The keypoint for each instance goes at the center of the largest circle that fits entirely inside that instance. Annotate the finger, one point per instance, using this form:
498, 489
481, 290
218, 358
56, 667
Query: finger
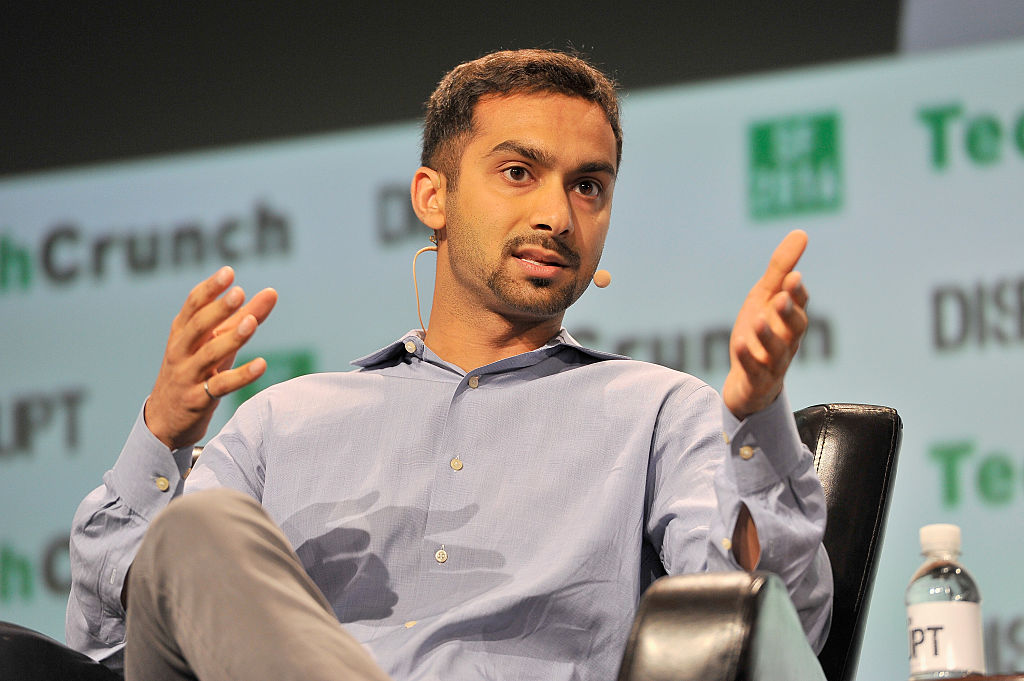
259, 307
785, 327
756, 376
227, 382
763, 378
750, 345
794, 285
204, 292
219, 353
198, 328
778, 349
785, 316
783, 260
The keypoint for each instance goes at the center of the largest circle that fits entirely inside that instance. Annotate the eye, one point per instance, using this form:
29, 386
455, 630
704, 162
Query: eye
588, 188
516, 174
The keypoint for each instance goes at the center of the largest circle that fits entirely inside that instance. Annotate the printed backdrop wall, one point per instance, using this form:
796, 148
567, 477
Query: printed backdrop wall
905, 172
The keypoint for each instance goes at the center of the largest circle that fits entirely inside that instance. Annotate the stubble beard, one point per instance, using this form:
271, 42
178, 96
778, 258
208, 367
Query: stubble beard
534, 297
517, 295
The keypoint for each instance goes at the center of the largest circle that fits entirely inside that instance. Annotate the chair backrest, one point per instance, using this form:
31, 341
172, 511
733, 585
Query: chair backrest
855, 447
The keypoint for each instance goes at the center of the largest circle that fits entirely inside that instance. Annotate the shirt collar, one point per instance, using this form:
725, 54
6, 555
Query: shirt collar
401, 347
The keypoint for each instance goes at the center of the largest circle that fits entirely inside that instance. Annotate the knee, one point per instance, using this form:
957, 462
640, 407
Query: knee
192, 533
203, 517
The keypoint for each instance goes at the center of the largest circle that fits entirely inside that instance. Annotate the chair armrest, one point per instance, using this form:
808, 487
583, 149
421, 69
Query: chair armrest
27, 655
721, 626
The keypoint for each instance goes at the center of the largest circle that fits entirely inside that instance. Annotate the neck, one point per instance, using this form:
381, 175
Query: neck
475, 339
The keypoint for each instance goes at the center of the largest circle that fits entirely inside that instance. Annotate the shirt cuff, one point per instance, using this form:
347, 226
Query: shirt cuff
765, 447
147, 474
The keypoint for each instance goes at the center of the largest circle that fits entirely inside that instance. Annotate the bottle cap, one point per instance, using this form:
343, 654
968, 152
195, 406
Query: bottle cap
941, 537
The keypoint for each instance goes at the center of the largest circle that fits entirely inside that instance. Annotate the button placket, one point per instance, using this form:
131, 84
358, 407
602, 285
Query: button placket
450, 483
457, 464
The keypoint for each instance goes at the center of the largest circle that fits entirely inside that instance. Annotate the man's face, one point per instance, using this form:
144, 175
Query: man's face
526, 225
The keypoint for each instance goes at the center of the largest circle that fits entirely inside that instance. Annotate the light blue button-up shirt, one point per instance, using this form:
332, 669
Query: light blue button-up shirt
515, 513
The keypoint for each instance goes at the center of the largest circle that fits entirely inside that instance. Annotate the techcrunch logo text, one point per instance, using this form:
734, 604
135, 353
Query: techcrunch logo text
705, 351
66, 254
980, 138
991, 477
20, 574
795, 166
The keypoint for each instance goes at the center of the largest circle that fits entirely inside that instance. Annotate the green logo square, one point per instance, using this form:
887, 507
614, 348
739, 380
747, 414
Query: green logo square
795, 166
281, 366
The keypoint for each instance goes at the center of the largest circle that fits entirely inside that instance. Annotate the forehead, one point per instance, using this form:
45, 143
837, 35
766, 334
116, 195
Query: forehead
563, 125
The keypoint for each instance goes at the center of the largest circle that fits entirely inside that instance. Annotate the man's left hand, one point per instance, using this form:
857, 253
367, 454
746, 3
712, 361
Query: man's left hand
767, 332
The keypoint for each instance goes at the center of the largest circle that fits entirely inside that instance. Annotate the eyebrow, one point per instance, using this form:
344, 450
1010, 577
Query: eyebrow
545, 158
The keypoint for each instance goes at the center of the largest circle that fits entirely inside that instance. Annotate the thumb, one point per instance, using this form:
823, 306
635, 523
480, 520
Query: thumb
783, 260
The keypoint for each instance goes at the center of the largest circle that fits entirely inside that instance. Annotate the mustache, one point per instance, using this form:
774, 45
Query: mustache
571, 257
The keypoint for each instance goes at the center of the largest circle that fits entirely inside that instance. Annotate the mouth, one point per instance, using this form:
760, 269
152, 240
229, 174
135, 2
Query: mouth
539, 264
542, 260
539, 257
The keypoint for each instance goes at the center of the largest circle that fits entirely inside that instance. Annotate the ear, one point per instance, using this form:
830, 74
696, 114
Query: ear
428, 197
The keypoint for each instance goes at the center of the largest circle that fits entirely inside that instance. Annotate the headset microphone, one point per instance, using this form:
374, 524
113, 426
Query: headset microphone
415, 281
602, 278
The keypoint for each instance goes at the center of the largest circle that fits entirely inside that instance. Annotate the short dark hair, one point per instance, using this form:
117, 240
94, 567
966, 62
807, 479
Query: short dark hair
449, 111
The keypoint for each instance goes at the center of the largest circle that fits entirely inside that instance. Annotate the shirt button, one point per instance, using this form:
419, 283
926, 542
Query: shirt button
474, 381
162, 484
727, 544
725, 436
746, 451
441, 556
456, 464
410, 347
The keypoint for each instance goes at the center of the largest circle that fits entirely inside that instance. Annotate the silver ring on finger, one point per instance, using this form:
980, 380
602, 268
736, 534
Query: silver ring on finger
206, 387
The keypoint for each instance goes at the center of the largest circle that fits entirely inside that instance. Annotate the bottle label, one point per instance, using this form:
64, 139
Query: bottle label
945, 636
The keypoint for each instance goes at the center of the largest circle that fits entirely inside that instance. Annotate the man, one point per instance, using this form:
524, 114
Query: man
485, 499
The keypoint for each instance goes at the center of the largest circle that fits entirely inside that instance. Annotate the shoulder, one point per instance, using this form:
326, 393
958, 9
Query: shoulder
310, 392
640, 390
649, 376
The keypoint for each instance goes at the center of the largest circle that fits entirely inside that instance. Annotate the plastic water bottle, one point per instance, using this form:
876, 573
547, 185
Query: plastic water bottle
943, 611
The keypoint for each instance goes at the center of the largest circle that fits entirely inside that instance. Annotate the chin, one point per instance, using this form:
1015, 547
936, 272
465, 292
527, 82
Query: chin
536, 298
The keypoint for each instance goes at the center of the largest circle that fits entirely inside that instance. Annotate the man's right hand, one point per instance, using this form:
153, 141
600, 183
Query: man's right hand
205, 336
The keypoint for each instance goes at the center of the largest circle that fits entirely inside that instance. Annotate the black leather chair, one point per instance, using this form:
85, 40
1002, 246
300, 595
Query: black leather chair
714, 627
723, 627
26, 655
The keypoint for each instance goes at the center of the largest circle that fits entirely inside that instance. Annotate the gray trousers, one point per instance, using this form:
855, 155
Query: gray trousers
216, 592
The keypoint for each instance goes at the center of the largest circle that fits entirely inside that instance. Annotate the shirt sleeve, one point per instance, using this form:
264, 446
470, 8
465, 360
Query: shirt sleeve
705, 465
111, 521
105, 535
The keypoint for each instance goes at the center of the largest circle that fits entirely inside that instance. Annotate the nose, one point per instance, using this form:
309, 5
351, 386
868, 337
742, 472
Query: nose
553, 212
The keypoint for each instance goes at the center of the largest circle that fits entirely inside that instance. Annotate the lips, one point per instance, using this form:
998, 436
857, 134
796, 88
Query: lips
539, 256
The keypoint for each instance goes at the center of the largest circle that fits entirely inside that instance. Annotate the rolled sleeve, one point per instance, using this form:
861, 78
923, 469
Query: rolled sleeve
771, 472
144, 476
105, 535
759, 463
765, 447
